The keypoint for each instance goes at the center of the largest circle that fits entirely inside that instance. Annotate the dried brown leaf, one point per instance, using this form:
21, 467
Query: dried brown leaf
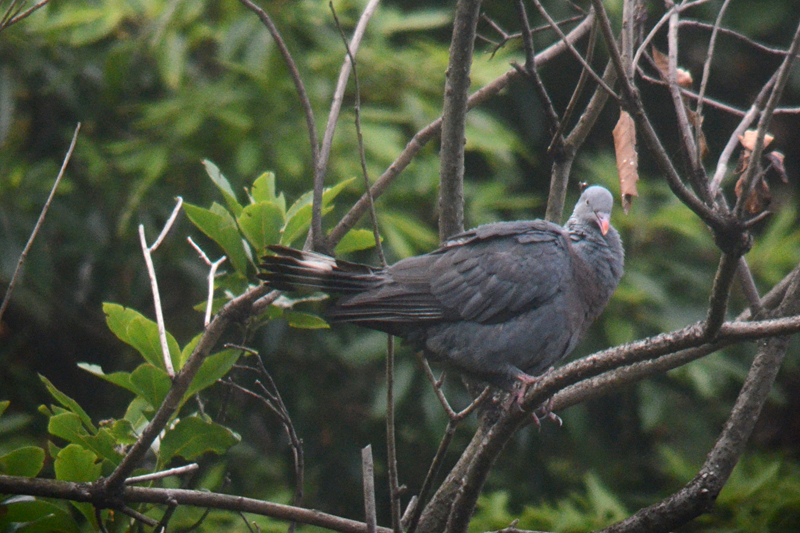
627, 158
662, 63
748, 140
684, 78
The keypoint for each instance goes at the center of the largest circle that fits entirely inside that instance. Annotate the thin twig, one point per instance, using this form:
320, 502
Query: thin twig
733, 140
212, 273
707, 64
6, 22
151, 272
305, 102
39, 222
530, 70
162, 474
575, 53
317, 236
748, 177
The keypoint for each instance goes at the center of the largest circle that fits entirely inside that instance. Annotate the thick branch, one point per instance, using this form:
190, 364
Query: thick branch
454, 119
87, 492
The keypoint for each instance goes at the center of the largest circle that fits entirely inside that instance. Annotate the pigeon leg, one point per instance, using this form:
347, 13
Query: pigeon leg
544, 411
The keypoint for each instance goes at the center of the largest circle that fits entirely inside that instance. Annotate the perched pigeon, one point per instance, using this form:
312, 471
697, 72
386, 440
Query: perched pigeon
502, 302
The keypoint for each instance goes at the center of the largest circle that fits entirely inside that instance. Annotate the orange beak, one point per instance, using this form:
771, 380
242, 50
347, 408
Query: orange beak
603, 222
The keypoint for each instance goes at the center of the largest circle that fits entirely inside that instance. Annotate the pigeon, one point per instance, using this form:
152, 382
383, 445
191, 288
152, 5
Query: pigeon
502, 303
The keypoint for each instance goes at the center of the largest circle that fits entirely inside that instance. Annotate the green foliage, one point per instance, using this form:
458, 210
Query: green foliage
594, 507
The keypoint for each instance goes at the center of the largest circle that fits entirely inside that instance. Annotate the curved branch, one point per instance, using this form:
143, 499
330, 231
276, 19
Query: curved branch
86, 492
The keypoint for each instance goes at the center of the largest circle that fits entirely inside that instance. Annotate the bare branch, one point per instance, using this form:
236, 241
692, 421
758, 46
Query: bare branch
191, 467
600, 81
368, 476
321, 164
10, 17
85, 492
39, 222
454, 119
147, 251
305, 102
748, 177
211, 275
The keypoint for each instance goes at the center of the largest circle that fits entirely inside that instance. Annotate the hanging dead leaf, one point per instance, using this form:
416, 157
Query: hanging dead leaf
627, 158
759, 198
776, 163
662, 63
748, 140
684, 78
697, 124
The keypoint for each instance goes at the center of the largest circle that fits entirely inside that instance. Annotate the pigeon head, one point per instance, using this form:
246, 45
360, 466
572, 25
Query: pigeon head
594, 207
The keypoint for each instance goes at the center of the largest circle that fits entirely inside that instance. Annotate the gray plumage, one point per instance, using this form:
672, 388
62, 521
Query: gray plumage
502, 302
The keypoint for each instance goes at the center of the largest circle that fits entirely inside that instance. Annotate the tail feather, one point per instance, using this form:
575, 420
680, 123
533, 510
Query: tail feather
291, 269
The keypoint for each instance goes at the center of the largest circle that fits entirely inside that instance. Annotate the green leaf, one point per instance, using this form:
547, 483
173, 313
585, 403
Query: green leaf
213, 368
68, 427
121, 379
69, 403
298, 217
3, 406
300, 320
26, 461
261, 224
76, 463
356, 239
121, 431
151, 383
134, 329
29, 515
171, 58
264, 190
220, 226
192, 437
222, 183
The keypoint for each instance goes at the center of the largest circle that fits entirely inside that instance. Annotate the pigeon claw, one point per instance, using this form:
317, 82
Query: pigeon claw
544, 411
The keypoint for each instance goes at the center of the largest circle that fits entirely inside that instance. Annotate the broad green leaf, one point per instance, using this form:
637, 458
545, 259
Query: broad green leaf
68, 427
26, 461
76, 463
222, 183
192, 437
69, 403
151, 383
121, 431
171, 58
298, 224
213, 368
29, 515
261, 224
300, 320
298, 217
223, 230
134, 329
121, 379
264, 190
356, 239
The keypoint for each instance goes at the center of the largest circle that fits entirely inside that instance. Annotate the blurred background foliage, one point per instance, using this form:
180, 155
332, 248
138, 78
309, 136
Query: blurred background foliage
160, 85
